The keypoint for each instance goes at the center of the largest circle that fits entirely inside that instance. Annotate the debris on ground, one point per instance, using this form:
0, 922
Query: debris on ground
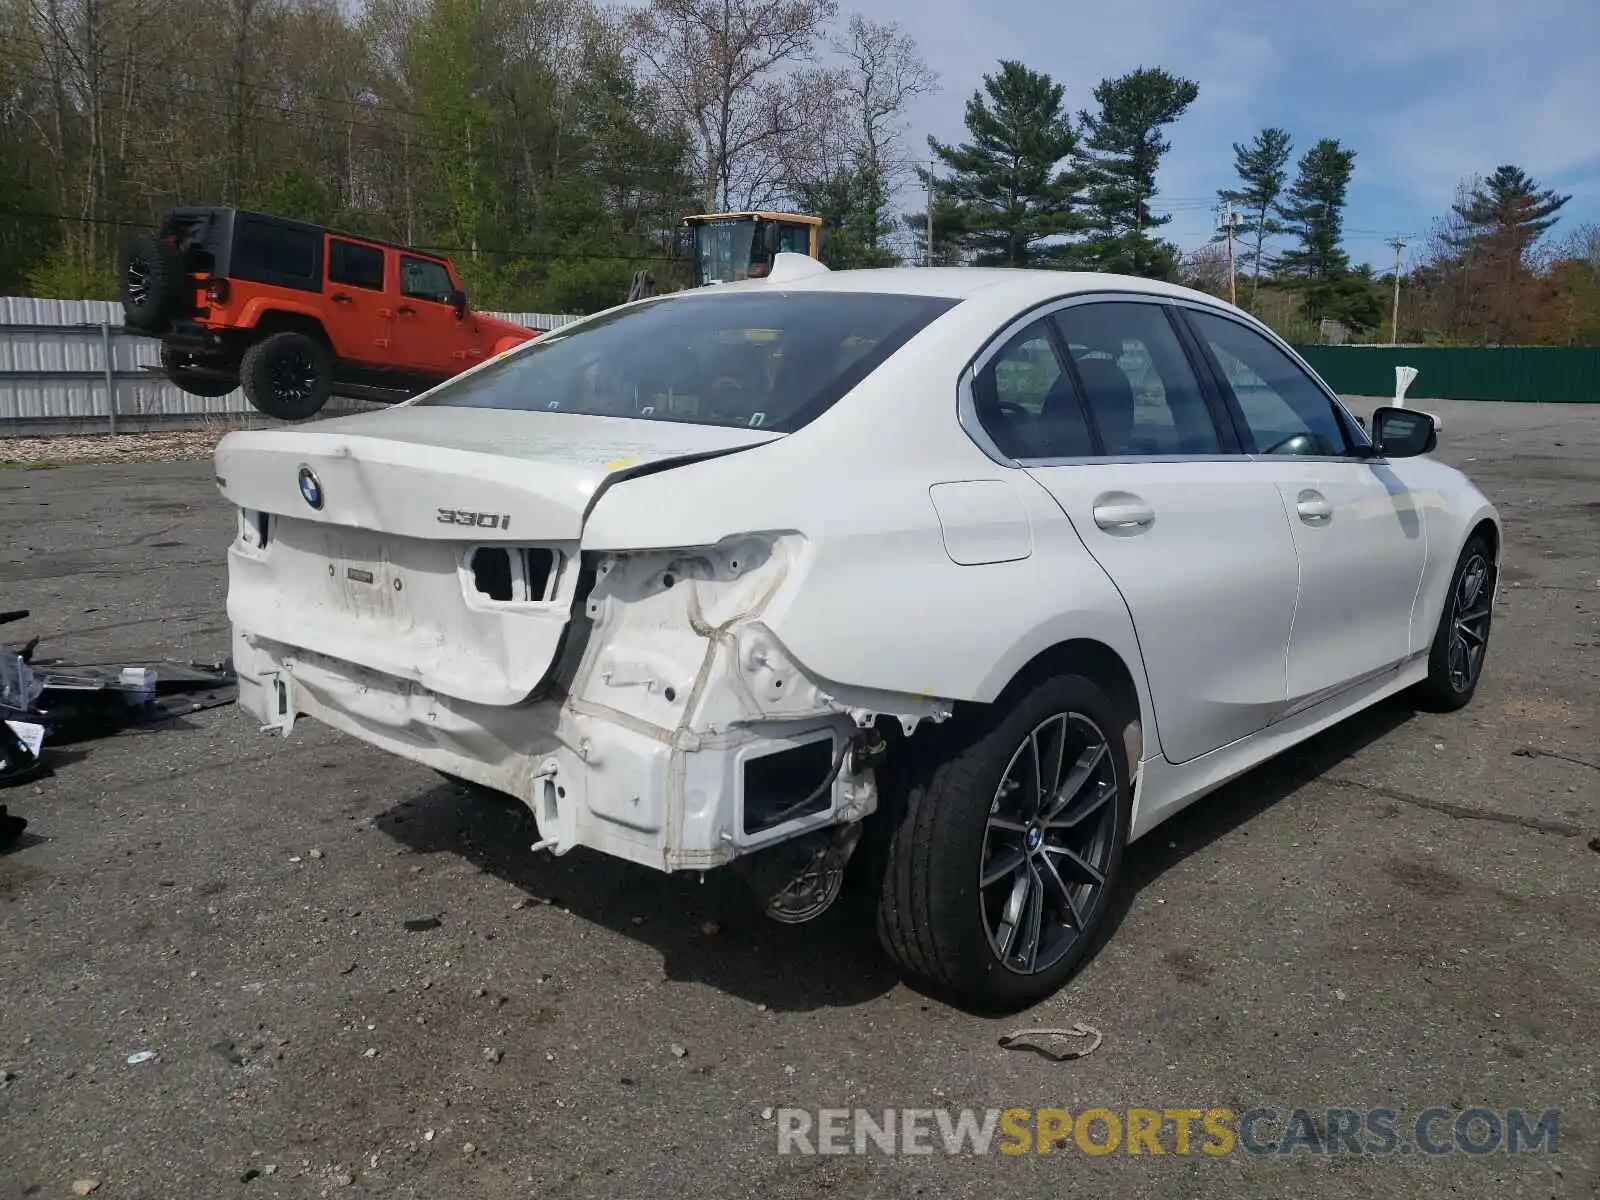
418, 924
82, 1187
140, 1056
177, 445
1018, 1041
50, 701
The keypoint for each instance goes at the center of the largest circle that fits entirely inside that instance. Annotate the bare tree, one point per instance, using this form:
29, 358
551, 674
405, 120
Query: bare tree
1205, 268
883, 73
723, 64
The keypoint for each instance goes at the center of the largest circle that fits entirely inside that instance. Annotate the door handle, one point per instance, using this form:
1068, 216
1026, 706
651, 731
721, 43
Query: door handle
406, 310
1124, 516
1313, 507
341, 297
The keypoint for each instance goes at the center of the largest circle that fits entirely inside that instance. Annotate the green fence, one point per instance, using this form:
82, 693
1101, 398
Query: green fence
1552, 375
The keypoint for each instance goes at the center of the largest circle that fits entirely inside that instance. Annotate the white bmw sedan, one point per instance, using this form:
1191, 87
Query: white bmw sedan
1001, 567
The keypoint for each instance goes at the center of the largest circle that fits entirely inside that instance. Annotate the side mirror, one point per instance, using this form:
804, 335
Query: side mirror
1403, 432
458, 301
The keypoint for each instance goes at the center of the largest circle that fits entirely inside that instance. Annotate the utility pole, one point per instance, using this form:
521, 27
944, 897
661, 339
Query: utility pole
1229, 222
1399, 244
927, 258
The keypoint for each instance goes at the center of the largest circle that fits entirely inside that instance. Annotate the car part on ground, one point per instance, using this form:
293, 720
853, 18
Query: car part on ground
714, 580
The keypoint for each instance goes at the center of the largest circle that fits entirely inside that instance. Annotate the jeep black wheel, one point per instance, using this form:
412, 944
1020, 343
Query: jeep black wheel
196, 381
151, 279
288, 376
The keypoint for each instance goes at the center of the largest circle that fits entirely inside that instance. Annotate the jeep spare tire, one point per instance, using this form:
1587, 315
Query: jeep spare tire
287, 375
151, 281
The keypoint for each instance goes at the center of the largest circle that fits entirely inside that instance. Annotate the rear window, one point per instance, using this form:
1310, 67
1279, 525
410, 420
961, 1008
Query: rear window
272, 253
769, 360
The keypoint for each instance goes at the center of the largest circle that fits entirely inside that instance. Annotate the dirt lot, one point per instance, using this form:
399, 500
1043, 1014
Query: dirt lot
1402, 914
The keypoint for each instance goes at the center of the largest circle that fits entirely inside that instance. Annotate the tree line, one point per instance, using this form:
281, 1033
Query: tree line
552, 146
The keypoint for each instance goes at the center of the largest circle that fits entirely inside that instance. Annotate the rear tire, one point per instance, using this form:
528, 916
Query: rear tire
995, 886
1461, 641
195, 382
288, 376
151, 283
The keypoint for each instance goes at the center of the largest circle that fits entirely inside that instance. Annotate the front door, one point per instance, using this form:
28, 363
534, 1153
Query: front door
361, 319
1357, 528
1101, 406
430, 337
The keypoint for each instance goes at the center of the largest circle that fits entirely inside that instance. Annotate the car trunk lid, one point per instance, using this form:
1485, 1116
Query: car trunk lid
438, 545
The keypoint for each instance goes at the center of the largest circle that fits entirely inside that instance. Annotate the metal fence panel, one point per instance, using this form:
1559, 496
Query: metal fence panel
1543, 374
53, 365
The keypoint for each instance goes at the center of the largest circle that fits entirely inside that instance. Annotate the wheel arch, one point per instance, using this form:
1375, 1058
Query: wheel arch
267, 321
1101, 665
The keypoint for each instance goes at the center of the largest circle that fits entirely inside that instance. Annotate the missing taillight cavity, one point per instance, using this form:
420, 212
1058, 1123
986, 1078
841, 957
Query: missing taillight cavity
491, 573
539, 568
774, 783
255, 528
509, 575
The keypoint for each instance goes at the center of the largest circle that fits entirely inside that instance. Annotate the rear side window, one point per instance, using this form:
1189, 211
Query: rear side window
355, 265
1026, 401
269, 252
770, 360
1141, 392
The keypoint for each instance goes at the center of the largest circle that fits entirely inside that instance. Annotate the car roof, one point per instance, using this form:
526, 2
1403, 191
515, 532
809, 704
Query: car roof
1020, 284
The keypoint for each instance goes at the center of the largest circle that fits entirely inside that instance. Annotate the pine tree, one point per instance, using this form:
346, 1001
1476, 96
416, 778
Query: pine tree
1262, 167
1508, 212
851, 205
1125, 148
1314, 213
1003, 192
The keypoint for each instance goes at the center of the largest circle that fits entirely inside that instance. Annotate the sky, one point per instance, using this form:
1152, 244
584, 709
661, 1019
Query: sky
1427, 92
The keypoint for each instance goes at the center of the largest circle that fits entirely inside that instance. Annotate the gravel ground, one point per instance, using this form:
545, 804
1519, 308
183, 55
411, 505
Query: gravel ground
1401, 913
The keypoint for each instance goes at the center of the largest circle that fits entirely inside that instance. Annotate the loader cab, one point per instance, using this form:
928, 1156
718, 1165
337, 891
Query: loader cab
732, 246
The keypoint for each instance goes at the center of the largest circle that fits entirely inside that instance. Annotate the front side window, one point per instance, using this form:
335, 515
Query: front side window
770, 361
355, 265
1137, 383
1025, 399
424, 279
1285, 412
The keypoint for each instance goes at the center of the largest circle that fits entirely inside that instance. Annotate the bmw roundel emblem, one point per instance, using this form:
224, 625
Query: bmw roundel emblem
311, 487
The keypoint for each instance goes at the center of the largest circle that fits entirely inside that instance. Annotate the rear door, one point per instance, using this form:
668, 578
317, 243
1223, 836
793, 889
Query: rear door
429, 337
1357, 528
361, 309
1106, 411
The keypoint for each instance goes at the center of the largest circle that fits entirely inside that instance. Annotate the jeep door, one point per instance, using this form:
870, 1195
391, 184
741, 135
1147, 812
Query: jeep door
429, 336
360, 316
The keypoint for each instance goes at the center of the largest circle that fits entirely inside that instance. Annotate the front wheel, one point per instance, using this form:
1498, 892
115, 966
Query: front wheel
1461, 641
1001, 865
287, 375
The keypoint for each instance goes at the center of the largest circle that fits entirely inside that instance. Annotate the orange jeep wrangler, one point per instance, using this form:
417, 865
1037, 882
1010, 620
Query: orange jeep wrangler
294, 313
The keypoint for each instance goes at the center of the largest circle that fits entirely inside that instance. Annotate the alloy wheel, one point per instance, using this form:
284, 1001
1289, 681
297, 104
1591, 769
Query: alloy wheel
138, 282
1469, 622
1048, 843
294, 376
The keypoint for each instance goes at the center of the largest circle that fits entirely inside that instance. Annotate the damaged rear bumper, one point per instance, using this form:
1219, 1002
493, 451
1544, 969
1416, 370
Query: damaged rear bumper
671, 800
